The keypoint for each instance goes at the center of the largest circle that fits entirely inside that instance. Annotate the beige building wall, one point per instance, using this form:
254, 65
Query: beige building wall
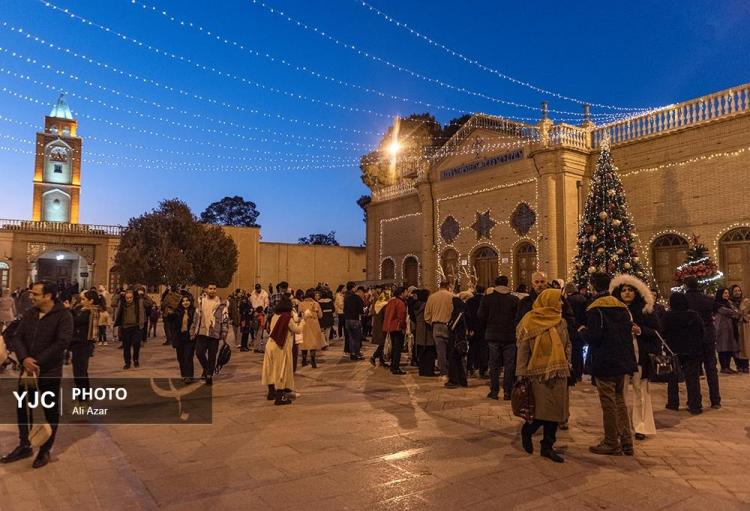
303, 266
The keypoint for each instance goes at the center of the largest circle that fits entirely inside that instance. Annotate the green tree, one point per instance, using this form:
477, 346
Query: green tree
607, 237
234, 211
320, 239
169, 246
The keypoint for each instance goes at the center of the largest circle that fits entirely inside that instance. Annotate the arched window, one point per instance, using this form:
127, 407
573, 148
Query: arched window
524, 264
667, 253
484, 261
449, 264
734, 257
387, 269
4, 275
410, 271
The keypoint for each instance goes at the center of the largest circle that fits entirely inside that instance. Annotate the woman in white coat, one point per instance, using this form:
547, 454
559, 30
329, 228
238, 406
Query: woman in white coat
278, 373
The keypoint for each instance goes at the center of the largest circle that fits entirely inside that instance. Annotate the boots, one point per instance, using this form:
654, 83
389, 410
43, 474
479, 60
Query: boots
304, 358
281, 398
313, 363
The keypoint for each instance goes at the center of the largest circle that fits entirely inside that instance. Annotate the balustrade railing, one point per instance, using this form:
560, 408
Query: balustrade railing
388, 192
712, 107
60, 228
569, 135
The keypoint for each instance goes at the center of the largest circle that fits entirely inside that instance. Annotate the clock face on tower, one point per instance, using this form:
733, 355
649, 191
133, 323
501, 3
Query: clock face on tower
57, 173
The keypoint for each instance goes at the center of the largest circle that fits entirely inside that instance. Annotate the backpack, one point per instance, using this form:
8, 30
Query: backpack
9, 334
225, 353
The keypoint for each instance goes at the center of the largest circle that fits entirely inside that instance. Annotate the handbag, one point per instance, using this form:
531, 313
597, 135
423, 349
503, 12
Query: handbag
39, 433
522, 400
387, 346
225, 353
665, 365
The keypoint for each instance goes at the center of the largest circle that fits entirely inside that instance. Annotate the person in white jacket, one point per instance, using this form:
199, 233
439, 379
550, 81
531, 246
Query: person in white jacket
278, 368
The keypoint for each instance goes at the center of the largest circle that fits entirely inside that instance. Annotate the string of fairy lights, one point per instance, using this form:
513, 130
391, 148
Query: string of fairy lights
484, 67
213, 35
371, 56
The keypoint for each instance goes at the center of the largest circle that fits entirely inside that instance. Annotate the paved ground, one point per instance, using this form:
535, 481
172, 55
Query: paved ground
359, 438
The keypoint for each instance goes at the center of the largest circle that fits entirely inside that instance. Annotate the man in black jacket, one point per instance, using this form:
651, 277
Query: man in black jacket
706, 307
538, 284
353, 308
497, 311
609, 334
478, 355
40, 340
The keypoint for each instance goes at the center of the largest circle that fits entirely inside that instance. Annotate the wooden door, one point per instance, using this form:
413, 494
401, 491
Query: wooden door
735, 258
525, 264
411, 271
669, 252
485, 263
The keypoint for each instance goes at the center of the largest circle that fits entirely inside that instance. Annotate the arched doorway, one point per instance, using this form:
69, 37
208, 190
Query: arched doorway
410, 271
525, 264
449, 264
69, 270
734, 257
4, 275
387, 269
667, 253
484, 261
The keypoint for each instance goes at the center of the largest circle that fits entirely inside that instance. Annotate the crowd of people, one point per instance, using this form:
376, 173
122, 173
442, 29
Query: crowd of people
548, 337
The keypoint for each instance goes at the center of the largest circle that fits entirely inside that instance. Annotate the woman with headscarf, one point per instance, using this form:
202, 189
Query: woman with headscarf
742, 305
423, 342
634, 293
378, 336
277, 372
683, 333
85, 334
543, 356
182, 318
312, 336
727, 334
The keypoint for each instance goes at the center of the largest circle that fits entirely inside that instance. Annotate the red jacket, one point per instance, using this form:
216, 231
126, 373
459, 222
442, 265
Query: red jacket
395, 316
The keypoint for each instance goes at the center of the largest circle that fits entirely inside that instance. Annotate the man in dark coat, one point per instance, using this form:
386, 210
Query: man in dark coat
478, 355
609, 334
705, 306
578, 303
538, 284
40, 341
497, 311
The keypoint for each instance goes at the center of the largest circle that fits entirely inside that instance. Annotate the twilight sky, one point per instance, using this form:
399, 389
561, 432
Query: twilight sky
278, 113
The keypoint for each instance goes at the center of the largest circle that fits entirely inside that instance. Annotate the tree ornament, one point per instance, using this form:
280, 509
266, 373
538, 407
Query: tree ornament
600, 250
603, 215
592, 238
615, 257
616, 222
619, 251
635, 259
611, 192
588, 228
592, 269
626, 266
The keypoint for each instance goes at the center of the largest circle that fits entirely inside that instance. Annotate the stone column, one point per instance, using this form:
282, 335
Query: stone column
428, 257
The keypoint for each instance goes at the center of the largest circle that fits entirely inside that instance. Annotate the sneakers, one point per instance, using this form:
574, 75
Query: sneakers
716, 406
126, 366
605, 450
628, 450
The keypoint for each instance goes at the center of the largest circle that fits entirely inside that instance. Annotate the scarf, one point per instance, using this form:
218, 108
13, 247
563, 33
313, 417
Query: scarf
281, 329
547, 358
606, 301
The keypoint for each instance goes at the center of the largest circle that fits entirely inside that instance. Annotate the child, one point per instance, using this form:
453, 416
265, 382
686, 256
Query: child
104, 322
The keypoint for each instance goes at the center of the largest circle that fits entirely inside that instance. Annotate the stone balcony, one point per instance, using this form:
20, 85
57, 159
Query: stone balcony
29, 226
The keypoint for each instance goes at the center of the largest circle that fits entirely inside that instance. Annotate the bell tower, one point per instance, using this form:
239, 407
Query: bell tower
57, 170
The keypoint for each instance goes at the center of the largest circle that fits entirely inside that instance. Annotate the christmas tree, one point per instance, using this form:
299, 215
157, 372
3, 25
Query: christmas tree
698, 264
607, 238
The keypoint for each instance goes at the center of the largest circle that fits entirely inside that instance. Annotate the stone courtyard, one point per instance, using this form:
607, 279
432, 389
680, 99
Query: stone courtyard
359, 438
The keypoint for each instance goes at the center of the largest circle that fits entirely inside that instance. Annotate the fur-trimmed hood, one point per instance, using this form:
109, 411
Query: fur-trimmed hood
636, 284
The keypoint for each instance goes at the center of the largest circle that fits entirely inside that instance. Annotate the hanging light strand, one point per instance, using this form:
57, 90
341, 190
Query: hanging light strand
306, 69
483, 67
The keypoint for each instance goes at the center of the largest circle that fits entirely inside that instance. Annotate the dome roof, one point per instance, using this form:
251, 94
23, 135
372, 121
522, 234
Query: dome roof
61, 110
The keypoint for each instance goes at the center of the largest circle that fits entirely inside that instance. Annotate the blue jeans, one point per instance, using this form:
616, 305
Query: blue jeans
354, 331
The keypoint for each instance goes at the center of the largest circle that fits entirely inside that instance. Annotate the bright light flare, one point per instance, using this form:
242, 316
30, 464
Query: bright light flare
394, 148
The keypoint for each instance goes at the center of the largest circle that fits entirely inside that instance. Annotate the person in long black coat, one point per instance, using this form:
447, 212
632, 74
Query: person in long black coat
458, 346
634, 293
478, 359
183, 317
683, 333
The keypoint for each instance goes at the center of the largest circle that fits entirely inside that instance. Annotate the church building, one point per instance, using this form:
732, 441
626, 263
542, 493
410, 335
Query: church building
505, 197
